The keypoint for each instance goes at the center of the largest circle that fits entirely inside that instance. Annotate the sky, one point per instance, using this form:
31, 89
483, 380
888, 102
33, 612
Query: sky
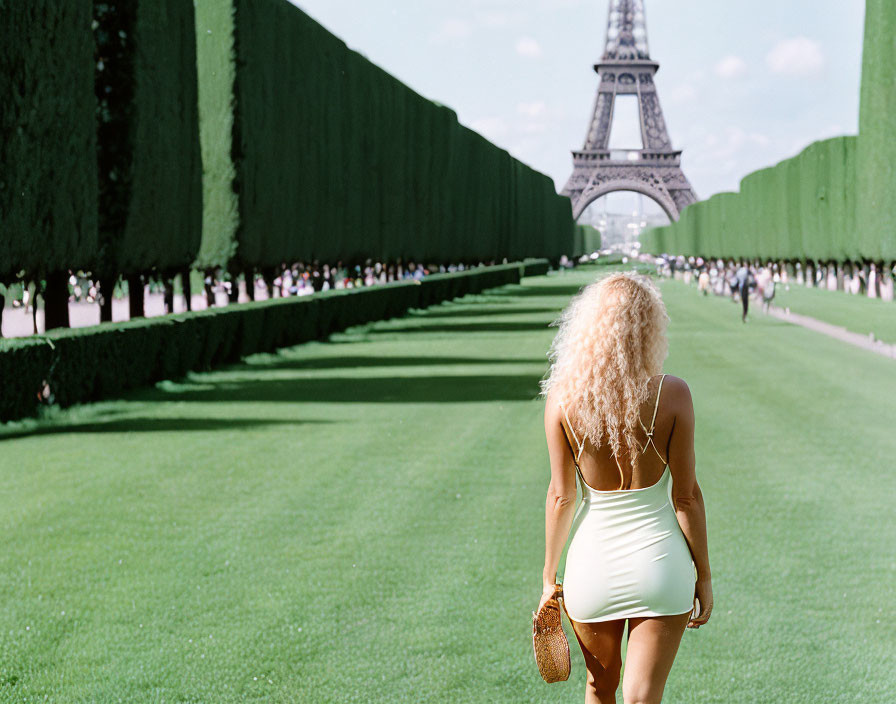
742, 84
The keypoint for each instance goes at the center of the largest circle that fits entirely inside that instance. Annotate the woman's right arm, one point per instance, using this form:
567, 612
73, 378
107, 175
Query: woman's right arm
687, 497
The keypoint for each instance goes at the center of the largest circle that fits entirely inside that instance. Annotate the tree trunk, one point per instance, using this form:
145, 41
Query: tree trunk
168, 288
249, 276
107, 290
863, 278
268, 275
186, 285
839, 277
886, 281
234, 293
135, 296
56, 300
208, 283
874, 280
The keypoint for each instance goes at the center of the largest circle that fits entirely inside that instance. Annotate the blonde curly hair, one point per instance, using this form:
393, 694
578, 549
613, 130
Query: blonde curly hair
611, 341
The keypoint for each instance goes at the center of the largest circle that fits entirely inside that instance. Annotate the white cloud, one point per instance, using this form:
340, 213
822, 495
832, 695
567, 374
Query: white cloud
451, 30
529, 47
534, 109
798, 56
731, 67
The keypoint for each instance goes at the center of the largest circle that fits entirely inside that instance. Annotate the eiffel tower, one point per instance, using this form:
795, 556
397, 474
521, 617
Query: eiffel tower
655, 170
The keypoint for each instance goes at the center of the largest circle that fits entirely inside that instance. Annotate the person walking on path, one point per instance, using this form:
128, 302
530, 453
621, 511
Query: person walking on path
703, 282
732, 285
637, 555
744, 279
766, 284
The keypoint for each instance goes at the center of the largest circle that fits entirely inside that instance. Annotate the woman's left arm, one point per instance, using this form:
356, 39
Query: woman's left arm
561, 496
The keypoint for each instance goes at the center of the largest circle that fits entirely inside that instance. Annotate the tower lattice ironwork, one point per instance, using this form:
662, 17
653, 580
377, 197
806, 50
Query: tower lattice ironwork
655, 170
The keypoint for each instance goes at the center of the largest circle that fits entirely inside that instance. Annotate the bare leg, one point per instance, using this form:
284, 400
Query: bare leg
601, 645
652, 646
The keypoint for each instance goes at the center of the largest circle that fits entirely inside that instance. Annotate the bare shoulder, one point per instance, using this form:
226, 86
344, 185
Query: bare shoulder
677, 394
551, 407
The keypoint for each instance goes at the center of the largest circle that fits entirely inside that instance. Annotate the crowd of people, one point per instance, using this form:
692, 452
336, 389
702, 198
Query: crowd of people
297, 279
301, 279
740, 281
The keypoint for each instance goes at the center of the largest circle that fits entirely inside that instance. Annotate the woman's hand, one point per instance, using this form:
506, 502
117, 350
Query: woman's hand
546, 594
703, 595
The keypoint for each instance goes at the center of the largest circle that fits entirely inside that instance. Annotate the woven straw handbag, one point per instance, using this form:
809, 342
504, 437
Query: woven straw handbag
549, 640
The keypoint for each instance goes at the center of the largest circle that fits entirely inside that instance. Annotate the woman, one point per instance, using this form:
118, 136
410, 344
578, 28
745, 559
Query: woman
767, 286
638, 548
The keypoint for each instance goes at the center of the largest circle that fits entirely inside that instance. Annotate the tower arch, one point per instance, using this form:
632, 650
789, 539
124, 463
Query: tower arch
663, 200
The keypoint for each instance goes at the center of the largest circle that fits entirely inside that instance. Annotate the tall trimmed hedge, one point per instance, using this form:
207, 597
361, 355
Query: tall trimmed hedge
48, 181
802, 208
306, 150
330, 157
215, 56
877, 127
150, 169
587, 240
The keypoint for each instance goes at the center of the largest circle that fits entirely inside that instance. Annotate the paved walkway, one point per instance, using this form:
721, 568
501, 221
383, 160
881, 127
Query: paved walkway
867, 342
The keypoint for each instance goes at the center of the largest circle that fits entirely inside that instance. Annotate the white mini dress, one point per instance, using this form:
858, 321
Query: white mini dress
627, 555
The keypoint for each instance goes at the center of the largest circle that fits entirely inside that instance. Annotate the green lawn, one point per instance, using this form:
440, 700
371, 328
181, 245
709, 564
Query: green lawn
856, 313
362, 520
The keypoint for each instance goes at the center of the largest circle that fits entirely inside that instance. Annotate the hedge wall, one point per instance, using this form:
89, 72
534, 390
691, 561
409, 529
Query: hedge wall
327, 156
803, 207
215, 67
88, 364
48, 181
587, 240
877, 128
150, 169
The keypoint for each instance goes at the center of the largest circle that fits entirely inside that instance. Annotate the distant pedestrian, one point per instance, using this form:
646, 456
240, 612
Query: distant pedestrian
743, 286
767, 289
703, 282
732, 284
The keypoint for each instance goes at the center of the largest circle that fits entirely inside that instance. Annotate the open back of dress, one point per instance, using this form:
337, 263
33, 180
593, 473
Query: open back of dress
627, 556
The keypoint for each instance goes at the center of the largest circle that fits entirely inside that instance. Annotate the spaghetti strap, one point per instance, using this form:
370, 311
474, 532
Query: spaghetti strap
581, 445
657, 404
621, 473
653, 422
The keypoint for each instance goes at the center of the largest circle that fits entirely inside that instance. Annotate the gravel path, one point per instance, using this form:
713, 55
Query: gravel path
867, 342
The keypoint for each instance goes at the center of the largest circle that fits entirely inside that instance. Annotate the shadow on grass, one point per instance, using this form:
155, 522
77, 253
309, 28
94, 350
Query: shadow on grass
419, 325
529, 291
467, 310
142, 424
347, 389
359, 361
